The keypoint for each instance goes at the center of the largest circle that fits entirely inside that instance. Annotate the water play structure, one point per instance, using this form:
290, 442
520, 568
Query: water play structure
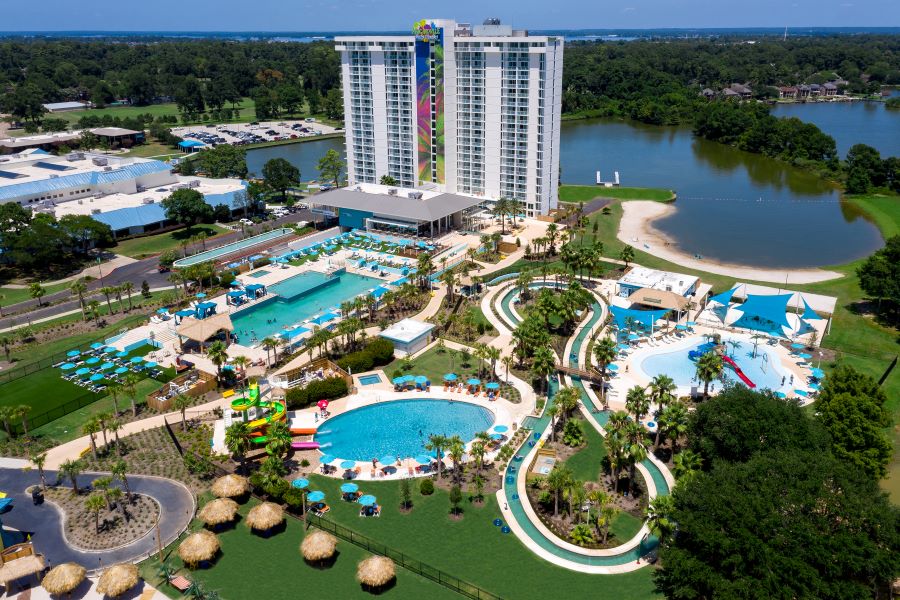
695, 355
738, 372
267, 412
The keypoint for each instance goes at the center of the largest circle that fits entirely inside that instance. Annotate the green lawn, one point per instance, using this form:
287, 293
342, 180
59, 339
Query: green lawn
157, 110
883, 210
585, 193
153, 149
10, 295
142, 247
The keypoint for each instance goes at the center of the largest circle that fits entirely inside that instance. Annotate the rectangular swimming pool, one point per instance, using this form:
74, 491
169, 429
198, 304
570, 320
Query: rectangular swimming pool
369, 379
233, 247
304, 296
258, 274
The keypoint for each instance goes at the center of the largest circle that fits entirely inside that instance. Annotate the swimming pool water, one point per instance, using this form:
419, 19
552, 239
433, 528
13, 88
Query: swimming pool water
271, 316
765, 370
369, 379
257, 274
400, 427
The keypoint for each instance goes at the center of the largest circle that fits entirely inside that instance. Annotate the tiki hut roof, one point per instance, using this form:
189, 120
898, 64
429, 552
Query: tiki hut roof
199, 546
218, 511
230, 486
265, 516
375, 571
118, 579
63, 578
21, 567
318, 545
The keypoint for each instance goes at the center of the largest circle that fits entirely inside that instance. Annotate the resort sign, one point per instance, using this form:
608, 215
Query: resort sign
426, 31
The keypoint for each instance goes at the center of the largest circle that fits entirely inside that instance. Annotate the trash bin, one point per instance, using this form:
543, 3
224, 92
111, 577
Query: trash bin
37, 496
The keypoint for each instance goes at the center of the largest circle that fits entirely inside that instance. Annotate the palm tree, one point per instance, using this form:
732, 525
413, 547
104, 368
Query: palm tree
90, 429
659, 517
37, 291
120, 470
7, 415
128, 287
94, 504
557, 481
437, 443
6, 342
114, 425
39, 460
424, 268
605, 354
94, 310
493, 355
78, 288
662, 391
675, 422
237, 440
181, 402
103, 419
552, 236
543, 365
108, 291
72, 469
553, 412
21, 412
456, 449
606, 512
278, 442
687, 464
637, 402
241, 362
575, 495
635, 449
627, 255
129, 384
115, 388
709, 368
567, 401
217, 353
507, 361
478, 450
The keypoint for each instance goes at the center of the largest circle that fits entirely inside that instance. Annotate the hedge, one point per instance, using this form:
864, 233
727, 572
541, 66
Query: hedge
321, 389
376, 353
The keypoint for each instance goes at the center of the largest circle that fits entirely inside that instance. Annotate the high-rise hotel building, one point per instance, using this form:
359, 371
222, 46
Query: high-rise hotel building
457, 109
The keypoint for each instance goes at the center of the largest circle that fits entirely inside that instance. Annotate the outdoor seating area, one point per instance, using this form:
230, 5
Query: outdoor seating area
471, 386
411, 382
96, 368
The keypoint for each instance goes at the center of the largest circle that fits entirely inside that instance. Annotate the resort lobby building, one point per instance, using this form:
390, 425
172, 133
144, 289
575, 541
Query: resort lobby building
457, 109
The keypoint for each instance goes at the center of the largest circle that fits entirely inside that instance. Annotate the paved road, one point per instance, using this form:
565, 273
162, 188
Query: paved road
136, 272
44, 522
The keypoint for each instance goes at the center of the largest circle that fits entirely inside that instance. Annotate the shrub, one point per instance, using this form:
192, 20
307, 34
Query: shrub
573, 433
376, 353
426, 488
327, 389
293, 498
357, 362
382, 351
261, 262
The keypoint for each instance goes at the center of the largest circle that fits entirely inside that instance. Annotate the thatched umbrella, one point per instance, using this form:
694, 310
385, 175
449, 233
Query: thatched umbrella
375, 571
265, 516
197, 547
318, 546
63, 578
118, 579
230, 486
218, 511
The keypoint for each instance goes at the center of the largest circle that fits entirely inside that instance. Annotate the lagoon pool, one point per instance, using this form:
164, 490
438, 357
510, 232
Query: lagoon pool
295, 300
400, 427
766, 370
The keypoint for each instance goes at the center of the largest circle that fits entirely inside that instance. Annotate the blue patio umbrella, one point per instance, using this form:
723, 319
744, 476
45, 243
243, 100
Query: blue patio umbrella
493, 386
388, 459
106, 366
96, 346
814, 386
633, 336
368, 500
137, 359
781, 395
450, 377
797, 346
818, 373
68, 366
348, 464
316, 496
200, 295
300, 483
120, 370
496, 436
349, 488
409, 378
804, 356
398, 381
423, 459
621, 347
802, 393
501, 428
612, 367
96, 377
164, 310
110, 350
236, 283
421, 379
679, 327
473, 381
326, 458
121, 354
92, 360
690, 324
71, 353
153, 365
82, 371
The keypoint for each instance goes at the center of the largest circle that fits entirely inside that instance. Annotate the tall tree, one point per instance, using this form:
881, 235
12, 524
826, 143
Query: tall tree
280, 175
331, 167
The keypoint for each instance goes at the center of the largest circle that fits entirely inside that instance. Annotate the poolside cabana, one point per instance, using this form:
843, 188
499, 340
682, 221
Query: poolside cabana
256, 290
205, 309
630, 318
235, 297
661, 299
201, 330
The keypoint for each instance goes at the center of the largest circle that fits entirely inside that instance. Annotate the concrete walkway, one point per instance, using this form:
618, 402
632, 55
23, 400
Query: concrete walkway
45, 522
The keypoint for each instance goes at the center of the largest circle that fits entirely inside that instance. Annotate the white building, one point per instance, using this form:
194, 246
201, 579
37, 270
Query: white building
409, 336
456, 109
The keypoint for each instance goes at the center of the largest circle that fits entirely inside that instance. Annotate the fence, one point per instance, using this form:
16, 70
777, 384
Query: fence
418, 567
35, 421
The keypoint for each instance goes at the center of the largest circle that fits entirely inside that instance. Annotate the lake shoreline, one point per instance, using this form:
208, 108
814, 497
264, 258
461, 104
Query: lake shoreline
636, 228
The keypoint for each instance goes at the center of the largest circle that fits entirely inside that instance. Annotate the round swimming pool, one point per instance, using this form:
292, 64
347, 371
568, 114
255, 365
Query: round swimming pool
400, 427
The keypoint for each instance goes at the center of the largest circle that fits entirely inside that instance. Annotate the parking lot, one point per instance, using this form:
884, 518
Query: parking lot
242, 134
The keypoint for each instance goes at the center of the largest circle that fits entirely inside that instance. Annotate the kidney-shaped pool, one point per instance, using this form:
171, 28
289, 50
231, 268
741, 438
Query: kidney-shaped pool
400, 427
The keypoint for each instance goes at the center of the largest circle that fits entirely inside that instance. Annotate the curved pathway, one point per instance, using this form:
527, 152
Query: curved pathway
520, 515
45, 522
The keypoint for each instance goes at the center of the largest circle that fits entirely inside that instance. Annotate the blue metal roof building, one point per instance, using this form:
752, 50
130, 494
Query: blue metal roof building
16, 191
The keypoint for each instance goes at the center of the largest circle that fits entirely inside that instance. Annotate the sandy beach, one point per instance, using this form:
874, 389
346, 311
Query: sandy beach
636, 229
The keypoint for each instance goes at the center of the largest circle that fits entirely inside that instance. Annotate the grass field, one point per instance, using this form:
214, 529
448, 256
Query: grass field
157, 110
10, 295
859, 340
585, 193
142, 247
472, 549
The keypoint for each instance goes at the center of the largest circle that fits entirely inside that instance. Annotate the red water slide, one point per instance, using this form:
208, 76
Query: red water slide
738, 372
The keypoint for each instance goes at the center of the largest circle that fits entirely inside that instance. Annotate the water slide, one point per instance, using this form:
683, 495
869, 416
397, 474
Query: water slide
275, 411
738, 372
305, 445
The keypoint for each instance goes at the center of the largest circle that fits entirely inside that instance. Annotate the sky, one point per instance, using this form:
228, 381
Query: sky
396, 15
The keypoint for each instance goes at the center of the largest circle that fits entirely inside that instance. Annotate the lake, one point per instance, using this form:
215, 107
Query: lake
850, 123
732, 206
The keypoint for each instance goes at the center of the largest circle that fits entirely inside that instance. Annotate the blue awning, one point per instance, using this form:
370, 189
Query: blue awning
191, 144
236, 293
292, 333
644, 318
769, 307
808, 313
378, 292
185, 313
206, 305
255, 286
724, 298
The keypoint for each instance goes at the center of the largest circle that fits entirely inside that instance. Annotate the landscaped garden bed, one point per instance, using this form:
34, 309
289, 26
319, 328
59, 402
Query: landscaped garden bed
121, 522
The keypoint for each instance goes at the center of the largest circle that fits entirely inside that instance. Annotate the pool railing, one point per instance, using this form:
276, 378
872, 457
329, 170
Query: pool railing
232, 248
